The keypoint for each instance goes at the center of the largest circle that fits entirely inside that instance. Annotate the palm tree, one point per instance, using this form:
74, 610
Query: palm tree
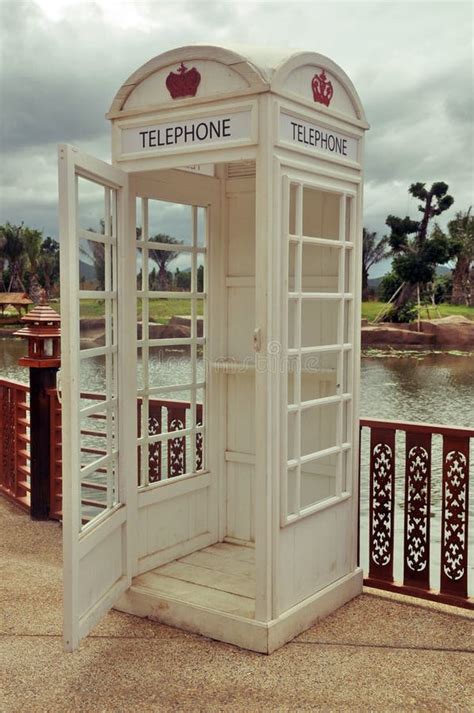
32, 240
373, 251
162, 258
14, 253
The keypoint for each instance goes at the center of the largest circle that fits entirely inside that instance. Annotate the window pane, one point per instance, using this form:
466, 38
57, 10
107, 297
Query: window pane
319, 428
348, 253
319, 322
320, 265
201, 227
318, 480
320, 214
90, 205
292, 217
169, 318
319, 376
292, 324
292, 505
91, 323
91, 265
169, 222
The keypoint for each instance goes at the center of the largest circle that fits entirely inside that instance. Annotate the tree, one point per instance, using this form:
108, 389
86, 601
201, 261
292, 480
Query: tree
162, 258
48, 265
461, 239
416, 254
373, 251
3, 258
14, 254
32, 240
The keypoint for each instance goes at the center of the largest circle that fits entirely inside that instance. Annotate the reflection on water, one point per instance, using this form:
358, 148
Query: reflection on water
429, 388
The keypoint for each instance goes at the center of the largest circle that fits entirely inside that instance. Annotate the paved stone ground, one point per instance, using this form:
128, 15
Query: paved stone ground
378, 653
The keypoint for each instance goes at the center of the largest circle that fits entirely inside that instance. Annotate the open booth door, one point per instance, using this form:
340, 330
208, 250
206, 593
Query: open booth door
97, 321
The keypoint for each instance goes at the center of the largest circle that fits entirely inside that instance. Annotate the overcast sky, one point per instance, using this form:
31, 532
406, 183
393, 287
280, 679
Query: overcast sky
411, 62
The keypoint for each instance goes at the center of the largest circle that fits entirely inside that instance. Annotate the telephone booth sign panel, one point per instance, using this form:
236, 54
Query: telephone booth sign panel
210, 362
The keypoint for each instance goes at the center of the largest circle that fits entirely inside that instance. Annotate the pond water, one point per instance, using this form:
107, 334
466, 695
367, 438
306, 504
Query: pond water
425, 387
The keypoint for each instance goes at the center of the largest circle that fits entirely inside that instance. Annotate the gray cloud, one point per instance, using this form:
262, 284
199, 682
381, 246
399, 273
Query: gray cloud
410, 61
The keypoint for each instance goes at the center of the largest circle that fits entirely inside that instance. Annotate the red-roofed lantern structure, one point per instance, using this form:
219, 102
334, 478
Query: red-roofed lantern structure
42, 330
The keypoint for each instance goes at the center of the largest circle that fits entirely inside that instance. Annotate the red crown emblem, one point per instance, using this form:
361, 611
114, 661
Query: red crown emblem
322, 88
183, 83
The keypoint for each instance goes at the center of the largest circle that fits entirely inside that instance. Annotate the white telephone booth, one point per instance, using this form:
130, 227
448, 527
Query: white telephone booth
210, 433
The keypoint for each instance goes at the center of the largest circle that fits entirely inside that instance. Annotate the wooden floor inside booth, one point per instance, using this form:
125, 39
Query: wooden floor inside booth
219, 577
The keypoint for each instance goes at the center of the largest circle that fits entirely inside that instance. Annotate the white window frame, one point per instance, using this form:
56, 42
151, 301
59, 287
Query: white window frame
343, 346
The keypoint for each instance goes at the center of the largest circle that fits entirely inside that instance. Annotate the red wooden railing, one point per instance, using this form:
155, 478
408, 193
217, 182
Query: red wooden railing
15, 441
161, 411
451, 481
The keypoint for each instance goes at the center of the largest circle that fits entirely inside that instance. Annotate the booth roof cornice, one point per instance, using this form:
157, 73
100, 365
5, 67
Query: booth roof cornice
264, 69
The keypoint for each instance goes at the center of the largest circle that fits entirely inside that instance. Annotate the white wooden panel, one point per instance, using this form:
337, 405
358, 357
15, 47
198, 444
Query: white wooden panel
173, 521
216, 78
241, 501
240, 323
315, 552
241, 413
299, 82
241, 234
103, 564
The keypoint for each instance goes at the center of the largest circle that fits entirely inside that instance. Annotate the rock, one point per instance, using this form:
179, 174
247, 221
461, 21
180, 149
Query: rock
383, 336
186, 321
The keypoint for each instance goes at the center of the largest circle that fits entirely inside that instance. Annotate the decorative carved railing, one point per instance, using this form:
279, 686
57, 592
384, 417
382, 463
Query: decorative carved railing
168, 413
15, 441
449, 480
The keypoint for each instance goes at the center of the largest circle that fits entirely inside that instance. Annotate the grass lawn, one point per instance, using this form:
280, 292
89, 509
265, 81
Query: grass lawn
370, 310
161, 310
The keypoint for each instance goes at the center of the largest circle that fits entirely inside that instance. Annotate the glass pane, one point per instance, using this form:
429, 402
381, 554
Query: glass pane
348, 219
169, 222
169, 318
201, 227
169, 271
318, 480
292, 217
347, 372
319, 376
139, 269
292, 279
169, 366
320, 266
319, 428
293, 445
91, 323
91, 265
347, 471
347, 422
138, 219
320, 214
90, 205
348, 253
200, 276
348, 332
293, 379
319, 322
292, 505
292, 323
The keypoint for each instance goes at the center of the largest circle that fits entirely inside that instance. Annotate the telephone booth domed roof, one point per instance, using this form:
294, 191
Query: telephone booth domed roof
235, 71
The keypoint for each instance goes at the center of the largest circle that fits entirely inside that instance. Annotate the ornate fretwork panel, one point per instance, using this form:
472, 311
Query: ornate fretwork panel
382, 482
199, 440
7, 415
455, 516
154, 449
417, 509
176, 446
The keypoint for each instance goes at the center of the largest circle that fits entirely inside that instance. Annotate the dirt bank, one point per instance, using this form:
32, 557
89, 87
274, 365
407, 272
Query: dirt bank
454, 332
